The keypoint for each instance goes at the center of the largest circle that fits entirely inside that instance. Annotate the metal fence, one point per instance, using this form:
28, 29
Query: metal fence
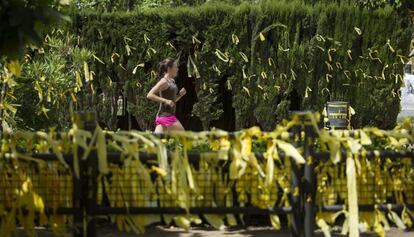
90, 200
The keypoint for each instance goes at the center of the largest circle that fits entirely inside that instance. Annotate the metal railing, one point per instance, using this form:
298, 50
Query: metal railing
88, 202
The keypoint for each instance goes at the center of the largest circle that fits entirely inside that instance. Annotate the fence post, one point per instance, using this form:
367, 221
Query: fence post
78, 214
309, 188
295, 194
84, 191
90, 180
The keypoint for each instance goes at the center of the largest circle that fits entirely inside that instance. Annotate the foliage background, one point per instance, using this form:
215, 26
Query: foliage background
257, 61
243, 63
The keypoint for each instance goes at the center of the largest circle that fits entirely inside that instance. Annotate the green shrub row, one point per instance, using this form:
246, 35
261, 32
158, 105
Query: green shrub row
256, 57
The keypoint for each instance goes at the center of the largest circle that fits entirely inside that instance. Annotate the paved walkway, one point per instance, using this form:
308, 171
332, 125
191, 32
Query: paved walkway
208, 232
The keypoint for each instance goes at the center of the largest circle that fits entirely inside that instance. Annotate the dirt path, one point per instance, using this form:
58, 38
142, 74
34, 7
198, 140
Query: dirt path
208, 232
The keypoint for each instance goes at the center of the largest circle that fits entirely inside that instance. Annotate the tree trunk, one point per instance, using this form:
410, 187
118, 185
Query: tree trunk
3, 93
113, 119
205, 124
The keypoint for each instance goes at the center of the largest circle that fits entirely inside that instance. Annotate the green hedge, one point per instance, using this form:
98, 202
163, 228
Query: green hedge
254, 56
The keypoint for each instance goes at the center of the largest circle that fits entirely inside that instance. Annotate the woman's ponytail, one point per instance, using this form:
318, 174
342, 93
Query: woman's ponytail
163, 67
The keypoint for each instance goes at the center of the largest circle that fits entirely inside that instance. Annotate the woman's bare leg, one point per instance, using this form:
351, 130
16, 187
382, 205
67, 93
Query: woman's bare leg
177, 126
159, 129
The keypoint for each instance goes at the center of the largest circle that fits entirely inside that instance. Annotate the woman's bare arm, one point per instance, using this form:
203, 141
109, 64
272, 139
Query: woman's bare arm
153, 93
180, 94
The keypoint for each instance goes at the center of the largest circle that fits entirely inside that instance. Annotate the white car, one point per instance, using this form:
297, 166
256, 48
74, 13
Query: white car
409, 83
407, 94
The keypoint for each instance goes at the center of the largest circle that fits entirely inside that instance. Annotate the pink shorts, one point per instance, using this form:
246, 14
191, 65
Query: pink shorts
165, 121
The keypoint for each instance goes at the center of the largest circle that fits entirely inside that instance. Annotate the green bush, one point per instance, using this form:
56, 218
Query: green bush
48, 84
260, 53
